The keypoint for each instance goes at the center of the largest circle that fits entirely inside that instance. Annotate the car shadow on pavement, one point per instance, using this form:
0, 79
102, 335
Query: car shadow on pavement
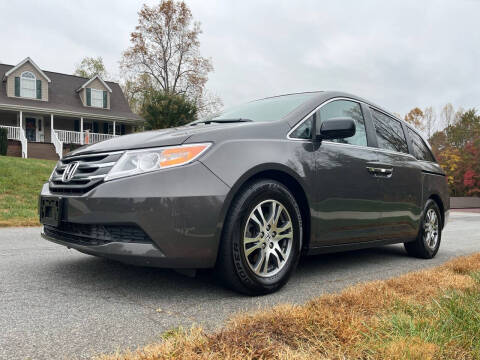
110, 277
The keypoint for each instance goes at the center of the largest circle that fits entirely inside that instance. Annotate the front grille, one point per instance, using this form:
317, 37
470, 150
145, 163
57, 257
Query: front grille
85, 234
91, 171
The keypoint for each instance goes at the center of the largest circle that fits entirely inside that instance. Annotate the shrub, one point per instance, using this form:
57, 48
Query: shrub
3, 141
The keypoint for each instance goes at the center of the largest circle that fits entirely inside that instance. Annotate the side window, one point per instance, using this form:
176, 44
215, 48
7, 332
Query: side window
346, 108
389, 131
304, 131
420, 149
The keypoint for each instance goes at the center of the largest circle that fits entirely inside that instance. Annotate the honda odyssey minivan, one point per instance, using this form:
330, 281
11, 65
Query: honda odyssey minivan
251, 190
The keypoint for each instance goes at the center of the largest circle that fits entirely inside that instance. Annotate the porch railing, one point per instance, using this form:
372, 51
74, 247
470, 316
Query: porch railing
69, 137
93, 138
13, 132
77, 137
24, 142
17, 133
57, 144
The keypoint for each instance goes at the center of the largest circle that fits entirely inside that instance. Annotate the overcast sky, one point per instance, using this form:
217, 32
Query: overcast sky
398, 54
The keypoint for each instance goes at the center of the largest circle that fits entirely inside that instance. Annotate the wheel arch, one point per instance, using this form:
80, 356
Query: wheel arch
438, 200
285, 176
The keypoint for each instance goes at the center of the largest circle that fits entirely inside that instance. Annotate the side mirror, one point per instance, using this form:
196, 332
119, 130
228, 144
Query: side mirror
336, 128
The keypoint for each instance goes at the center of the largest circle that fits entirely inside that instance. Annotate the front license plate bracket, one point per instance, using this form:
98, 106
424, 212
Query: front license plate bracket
51, 210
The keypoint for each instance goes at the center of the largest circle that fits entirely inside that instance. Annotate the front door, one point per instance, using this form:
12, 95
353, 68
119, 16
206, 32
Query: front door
348, 207
31, 129
34, 129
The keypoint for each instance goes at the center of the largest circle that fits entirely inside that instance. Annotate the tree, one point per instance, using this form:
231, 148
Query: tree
447, 115
429, 121
165, 47
3, 141
457, 149
458, 115
415, 117
438, 141
136, 90
90, 66
466, 130
163, 110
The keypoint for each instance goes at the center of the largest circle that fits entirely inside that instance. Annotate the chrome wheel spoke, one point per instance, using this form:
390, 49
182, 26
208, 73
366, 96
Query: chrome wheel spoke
276, 216
279, 250
260, 212
283, 236
265, 264
260, 261
252, 249
254, 218
284, 227
275, 255
273, 211
249, 240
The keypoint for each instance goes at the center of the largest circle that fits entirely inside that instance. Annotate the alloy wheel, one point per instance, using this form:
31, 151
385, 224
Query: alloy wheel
430, 229
268, 238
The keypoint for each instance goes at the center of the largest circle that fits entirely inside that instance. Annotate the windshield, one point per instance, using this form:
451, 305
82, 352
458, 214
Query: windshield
265, 110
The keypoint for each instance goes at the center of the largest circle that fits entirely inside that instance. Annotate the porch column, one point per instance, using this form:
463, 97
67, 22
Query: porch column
51, 128
81, 131
114, 128
23, 137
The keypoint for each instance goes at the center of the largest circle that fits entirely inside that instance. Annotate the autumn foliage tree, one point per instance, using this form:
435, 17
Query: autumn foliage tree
457, 149
165, 56
415, 117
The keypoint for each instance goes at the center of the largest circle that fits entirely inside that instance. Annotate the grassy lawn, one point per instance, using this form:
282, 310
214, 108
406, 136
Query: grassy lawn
20, 183
430, 314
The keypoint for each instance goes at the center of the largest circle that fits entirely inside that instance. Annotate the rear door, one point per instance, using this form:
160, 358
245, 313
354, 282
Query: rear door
400, 179
348, 198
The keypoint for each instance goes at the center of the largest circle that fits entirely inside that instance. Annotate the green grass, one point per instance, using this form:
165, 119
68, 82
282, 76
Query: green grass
449, 324
20, 184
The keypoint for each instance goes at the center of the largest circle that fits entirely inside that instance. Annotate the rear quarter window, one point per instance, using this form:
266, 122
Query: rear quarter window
420, 149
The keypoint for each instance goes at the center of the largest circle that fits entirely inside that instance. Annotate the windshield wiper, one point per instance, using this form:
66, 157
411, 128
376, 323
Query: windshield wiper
220, 121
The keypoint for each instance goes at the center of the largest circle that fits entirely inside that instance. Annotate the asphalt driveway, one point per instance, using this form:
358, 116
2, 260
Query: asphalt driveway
56, 303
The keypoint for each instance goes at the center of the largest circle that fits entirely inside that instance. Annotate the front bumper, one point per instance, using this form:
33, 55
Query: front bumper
180, 209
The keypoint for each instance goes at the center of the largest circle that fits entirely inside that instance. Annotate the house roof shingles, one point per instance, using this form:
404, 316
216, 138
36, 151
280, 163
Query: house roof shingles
63, 97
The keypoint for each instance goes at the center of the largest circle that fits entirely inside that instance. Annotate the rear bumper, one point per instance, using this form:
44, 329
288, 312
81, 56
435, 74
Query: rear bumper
180, 209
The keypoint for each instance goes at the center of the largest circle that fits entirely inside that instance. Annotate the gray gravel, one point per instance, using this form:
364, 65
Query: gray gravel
56, 303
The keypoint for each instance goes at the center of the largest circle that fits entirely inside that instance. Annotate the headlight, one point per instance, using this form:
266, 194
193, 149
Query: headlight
147, 160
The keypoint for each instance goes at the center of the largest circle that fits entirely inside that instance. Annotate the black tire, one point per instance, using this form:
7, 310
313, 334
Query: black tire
233, 265
420, 248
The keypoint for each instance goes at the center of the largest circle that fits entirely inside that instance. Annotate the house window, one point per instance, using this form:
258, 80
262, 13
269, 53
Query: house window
97, 98
118, 129
87, 126
28, 85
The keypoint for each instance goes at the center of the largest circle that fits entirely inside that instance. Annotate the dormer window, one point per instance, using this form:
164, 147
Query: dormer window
27, 80
95, 93
28, 85
97, 98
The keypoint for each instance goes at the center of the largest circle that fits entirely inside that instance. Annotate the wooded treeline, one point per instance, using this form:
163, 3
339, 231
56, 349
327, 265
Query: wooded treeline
455, 140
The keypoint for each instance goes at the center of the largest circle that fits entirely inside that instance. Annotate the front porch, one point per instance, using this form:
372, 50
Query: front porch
63, 132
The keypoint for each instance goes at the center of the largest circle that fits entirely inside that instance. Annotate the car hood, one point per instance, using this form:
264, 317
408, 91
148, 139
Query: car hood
154, 138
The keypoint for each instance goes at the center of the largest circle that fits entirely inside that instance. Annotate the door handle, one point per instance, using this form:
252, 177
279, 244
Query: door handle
380, 172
